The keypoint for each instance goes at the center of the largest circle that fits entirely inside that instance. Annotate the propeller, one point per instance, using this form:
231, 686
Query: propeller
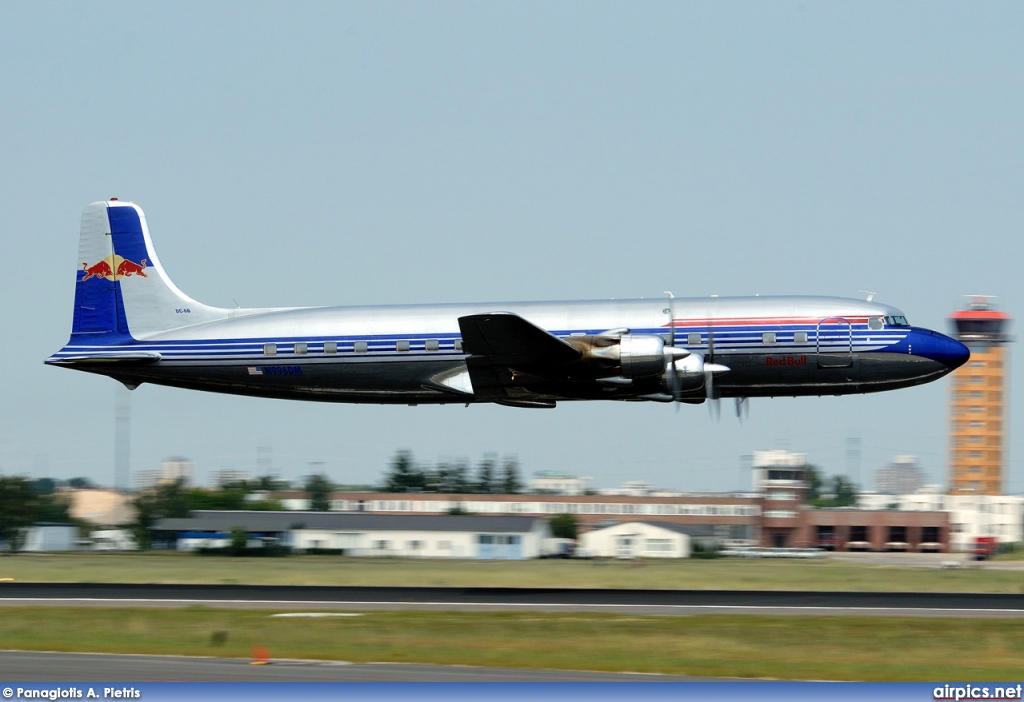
709, 374
670, 355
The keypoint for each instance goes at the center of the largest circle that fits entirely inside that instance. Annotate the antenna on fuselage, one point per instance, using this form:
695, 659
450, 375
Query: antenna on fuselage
871, 295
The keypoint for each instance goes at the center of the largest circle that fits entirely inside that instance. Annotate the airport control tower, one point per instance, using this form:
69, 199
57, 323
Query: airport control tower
978, 401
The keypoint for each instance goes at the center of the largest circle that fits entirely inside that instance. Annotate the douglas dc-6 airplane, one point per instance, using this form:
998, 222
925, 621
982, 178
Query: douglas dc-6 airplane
134, 325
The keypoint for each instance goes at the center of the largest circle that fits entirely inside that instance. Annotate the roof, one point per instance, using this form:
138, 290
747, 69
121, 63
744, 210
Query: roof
216, 520
698, 530
979, 314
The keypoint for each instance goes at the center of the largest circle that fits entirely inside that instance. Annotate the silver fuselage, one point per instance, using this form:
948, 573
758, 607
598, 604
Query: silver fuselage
402, 354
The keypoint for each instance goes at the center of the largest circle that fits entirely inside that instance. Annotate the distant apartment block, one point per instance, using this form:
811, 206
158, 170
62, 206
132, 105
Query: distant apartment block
553, 483
900, 477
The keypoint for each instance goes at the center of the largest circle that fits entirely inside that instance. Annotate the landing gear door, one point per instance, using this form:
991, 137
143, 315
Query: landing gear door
834, 343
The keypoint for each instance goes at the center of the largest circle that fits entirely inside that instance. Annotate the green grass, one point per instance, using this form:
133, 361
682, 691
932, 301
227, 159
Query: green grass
805, 648
687, 574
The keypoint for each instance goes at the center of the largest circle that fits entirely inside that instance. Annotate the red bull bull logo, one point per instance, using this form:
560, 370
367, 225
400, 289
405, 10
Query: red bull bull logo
99, 270
126, 268
114, 267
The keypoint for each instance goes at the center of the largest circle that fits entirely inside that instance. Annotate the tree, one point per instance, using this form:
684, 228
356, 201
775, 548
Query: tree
564, 526
19, 506
52, 508
837, 491
81, 484
459, 479
845, 492
485, 481
268, 483
812, 476
43, 486
165, 502
404, 475
510, 482
239, 540
200, 498
318, 487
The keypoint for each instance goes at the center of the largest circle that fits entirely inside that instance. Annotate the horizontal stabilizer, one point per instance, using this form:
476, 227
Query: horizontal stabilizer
105, 357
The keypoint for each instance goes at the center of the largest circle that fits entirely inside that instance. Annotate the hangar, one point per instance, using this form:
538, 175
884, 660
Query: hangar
646, 540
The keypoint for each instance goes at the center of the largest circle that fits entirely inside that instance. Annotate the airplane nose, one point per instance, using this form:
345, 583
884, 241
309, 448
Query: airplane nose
941, 348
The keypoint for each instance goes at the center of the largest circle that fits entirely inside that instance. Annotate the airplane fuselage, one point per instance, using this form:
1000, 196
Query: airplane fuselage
402, 354
133, 324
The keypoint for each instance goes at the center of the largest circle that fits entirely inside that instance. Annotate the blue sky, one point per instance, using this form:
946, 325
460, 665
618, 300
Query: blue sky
372, 153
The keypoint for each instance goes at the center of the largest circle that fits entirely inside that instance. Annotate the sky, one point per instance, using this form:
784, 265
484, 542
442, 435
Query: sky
334, 153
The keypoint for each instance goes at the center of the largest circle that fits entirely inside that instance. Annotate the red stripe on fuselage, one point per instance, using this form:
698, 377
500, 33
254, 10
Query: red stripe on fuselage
762, 321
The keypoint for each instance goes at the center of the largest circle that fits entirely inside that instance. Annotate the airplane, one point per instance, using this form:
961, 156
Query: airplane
133, 324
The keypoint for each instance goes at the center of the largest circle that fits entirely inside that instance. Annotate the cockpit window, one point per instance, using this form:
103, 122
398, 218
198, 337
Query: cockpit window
875, 323
897, 321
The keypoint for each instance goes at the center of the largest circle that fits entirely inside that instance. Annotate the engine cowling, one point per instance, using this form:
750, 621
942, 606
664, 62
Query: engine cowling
641, 355
630, 356
689, 372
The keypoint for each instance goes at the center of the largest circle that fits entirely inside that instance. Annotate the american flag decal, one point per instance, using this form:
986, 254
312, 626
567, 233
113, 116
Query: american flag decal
255, 370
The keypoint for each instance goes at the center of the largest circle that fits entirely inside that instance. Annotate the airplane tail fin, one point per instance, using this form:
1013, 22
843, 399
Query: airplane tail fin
122, 292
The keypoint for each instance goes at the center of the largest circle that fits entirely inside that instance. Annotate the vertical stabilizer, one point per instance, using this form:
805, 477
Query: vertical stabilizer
122, 290
96, 309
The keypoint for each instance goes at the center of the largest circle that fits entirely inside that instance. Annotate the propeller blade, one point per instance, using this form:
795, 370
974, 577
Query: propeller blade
742, 408
709, 374
715, 408
671, 353
670, 311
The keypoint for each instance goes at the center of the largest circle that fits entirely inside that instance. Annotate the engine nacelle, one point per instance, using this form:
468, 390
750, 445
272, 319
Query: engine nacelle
690, 374
630, 355
641, 355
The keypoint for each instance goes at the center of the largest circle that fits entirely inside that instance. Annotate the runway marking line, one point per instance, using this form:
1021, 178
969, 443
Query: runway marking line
346, 603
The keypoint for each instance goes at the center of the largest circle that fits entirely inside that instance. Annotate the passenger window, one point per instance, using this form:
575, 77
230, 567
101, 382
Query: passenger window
360, 347
270, 349
693, 339
458, 344
875, 323
768, 338
300, 348
401, 346
800, 337
330, 347
431, 345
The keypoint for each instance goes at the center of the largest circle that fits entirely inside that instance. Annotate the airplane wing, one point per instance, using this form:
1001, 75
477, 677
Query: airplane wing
509, 340
500, 343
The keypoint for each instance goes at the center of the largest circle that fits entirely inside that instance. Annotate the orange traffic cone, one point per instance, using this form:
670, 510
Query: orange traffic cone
260, 655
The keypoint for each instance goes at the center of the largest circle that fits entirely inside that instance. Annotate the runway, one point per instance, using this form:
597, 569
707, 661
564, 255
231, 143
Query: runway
101, 667
653, 602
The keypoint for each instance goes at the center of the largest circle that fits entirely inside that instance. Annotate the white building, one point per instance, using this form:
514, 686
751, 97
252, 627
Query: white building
971, 516
360, 534
100, 506
631, 488
176, 468
51, 537
553, 483
643, 540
